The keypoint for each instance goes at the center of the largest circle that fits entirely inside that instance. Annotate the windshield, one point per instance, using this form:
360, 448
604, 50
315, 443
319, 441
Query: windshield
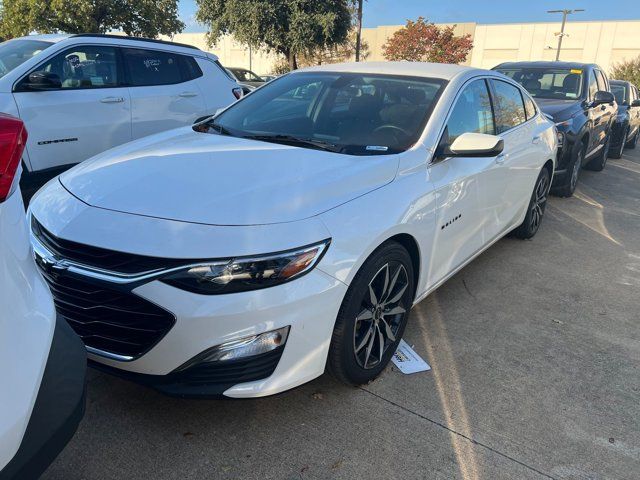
15, 52
552, 83
619, 92
341, 112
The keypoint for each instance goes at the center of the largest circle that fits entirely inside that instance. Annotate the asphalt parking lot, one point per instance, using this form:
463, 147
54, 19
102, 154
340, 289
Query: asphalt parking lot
535, 350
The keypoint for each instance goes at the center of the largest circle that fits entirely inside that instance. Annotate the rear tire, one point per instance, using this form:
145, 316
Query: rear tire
571, 177
537, 205
370, 325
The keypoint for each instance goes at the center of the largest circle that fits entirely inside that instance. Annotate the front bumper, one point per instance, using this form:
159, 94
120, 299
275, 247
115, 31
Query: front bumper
58, 409
308, 305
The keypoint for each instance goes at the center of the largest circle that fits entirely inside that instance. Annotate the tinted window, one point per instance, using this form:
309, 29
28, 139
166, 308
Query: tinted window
554, 83
15, 52
350, 113
619, 91
152, 67
189, 68
529, 106
472, 112
85, 67
593, 85
509, 108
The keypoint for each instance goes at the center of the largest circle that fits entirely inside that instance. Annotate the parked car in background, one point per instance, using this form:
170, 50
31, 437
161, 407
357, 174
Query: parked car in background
578, 98
82, 94
296, 229
42, 361
247, 77
268, 78
626, 128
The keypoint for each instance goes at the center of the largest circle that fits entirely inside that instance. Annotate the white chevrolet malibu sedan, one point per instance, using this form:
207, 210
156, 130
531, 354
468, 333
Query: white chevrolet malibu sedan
294, 231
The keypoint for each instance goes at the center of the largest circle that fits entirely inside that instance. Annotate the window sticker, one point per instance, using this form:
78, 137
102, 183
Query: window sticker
571, 95
376, 148
576, 71
152, 63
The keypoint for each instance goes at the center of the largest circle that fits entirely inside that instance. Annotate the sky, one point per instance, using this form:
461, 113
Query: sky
396, 12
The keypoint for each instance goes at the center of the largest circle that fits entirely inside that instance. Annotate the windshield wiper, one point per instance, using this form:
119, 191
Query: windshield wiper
296, 141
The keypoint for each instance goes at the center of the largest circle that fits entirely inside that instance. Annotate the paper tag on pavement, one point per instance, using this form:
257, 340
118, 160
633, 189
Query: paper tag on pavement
407, 360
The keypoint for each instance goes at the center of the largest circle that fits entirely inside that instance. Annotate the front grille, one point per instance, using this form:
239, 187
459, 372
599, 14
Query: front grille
100, 257
108, 319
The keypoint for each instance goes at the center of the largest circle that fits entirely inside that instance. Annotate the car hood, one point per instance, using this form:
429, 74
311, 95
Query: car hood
220, 180
560, 110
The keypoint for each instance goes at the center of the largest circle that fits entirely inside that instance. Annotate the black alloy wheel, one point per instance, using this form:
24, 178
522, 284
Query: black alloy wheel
373, 316
537, 205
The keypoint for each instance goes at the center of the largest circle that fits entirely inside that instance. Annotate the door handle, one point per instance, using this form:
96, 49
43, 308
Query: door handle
536, 139
112, 100
188, 94
501, 158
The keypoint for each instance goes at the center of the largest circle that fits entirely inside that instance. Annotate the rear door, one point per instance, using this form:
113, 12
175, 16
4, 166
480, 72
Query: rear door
163, 89
462, 213
509, 184
609, 110
90, 112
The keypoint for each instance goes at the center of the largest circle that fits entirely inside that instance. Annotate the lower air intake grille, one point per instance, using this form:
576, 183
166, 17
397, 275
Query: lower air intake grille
108, 319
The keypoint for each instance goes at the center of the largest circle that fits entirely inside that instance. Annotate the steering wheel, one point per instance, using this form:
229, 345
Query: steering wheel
392, 128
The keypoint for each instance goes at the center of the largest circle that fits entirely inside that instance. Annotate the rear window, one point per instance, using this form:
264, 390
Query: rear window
551, 83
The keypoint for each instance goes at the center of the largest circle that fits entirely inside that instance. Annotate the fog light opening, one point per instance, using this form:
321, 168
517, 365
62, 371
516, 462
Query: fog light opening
241, 348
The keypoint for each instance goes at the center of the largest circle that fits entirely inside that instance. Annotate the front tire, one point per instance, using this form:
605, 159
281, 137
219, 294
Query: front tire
536, 208
598, 163
618, 152
373, 316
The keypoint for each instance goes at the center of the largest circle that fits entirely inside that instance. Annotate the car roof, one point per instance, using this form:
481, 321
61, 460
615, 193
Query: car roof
415, 69
547, 64
620, 82
55, 38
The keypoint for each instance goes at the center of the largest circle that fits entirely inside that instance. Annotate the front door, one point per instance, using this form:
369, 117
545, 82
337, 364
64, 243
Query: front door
89, 111
462, 214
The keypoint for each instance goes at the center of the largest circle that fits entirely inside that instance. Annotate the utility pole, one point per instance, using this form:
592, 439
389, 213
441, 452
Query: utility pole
564, 13
359, 30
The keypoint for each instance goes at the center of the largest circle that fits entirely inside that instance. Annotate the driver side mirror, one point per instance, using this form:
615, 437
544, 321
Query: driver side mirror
601, 97
42, 80
475, 145
635, 103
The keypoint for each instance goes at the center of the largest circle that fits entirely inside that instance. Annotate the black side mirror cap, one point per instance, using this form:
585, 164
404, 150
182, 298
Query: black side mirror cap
601, 97
42, 80
635, 103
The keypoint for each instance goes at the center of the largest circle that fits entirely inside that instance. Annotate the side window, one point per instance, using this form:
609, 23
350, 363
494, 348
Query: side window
593, 85
472, 112
85, 67
509, 106
152, 67
189, 68
529, 106
602, 82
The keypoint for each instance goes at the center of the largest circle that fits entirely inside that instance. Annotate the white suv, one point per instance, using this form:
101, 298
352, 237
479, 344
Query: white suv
42, 361
82, 94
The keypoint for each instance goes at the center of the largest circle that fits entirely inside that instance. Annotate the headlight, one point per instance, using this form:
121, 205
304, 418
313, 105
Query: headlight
244, 273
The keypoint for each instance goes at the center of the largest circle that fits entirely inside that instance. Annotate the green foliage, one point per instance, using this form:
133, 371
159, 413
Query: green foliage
628, 70
288, 27
148, 18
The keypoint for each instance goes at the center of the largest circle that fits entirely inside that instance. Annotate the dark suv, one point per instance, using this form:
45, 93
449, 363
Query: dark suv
626, 128
578, 97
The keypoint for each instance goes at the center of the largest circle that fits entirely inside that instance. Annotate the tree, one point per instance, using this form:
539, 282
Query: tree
288, 27
148, 18
628, 70
343, 52
422, 41
358, 4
